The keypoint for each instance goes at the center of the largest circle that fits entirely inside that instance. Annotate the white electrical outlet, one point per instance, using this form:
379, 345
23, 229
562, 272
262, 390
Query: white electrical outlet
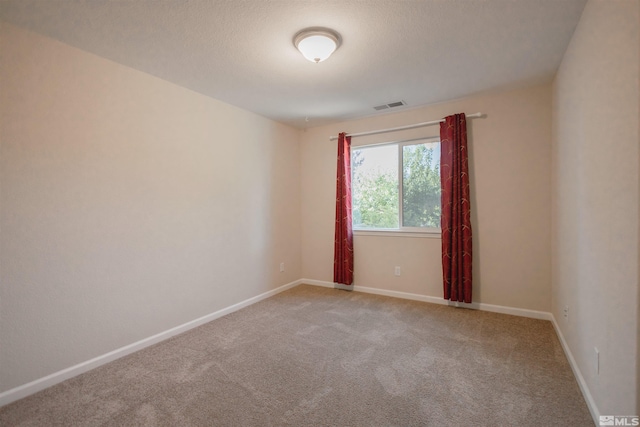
281, 267
597, 360
566, 313
397, 272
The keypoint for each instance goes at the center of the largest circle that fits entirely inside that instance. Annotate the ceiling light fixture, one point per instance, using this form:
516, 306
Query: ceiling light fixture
316, 43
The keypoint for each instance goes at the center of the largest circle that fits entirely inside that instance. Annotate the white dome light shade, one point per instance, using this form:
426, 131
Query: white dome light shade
316, 48
316, 44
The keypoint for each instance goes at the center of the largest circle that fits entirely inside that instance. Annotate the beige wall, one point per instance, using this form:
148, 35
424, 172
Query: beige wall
595, 200
128, 206
510, 180
124, 209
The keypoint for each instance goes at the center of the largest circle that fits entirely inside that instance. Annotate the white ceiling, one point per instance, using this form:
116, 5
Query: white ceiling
241, 51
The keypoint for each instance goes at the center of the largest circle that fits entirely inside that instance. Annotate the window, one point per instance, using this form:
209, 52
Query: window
396, 186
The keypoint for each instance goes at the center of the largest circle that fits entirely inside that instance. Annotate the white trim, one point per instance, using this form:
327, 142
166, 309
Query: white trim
399, 141
317, 283
398, 233
401, 230
522, 312
591, 404
57, 377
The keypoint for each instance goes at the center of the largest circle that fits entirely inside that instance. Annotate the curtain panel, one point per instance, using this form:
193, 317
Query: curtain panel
343, 243
456, 210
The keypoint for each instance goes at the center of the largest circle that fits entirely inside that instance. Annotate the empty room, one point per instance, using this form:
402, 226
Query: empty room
319, 213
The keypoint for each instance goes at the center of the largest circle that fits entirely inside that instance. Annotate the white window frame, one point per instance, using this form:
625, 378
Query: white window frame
434, 232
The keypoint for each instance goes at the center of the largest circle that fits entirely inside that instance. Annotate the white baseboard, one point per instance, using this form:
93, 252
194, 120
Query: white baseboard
57, 377
317, 283
591, 404
522, 312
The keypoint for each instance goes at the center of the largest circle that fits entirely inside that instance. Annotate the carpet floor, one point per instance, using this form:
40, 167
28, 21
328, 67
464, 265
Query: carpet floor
313, 356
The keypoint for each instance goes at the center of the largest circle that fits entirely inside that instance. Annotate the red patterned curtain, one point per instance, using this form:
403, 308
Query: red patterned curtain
456, 210
343, 249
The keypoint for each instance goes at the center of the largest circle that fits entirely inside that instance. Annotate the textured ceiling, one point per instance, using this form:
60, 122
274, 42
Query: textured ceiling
241, 51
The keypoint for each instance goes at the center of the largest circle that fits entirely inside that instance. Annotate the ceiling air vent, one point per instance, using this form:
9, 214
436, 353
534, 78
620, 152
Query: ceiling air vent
389, 105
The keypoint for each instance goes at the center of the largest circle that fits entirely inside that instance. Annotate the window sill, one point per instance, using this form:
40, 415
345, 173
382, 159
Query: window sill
398, 233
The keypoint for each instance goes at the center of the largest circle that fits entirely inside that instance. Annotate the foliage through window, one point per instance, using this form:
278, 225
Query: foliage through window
396, 186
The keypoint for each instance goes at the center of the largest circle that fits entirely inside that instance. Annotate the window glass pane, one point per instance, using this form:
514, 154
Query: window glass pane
421, 185
374, 187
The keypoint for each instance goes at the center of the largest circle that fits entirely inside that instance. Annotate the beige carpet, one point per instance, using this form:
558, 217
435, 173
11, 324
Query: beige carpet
314, 356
